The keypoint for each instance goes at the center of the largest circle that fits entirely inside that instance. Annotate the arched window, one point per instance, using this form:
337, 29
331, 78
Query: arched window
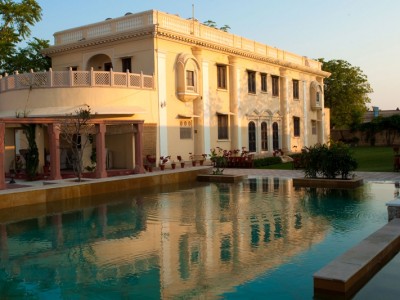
252, 136
187, 69
264, 136
275, 136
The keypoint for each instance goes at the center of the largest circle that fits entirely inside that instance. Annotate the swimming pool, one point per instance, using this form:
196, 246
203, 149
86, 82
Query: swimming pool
260, 238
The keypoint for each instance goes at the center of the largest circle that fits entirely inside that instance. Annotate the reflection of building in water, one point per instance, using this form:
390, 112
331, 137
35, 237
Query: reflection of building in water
197, 242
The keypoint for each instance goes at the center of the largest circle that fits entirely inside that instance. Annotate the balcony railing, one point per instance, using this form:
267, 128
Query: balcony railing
182, 26
59, 79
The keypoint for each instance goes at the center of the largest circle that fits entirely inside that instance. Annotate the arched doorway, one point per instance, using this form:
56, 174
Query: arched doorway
99, 62
264, 136
275, 136
252, 136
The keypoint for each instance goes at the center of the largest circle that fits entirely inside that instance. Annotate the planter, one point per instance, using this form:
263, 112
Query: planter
173, 166
162, 167
328, 183
193, 163
182, 164
150, 168
201, 162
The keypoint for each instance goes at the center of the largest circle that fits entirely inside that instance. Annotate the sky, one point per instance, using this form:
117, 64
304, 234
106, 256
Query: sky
366, 33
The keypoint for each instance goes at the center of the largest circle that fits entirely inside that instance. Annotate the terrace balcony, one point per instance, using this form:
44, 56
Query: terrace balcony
52, 93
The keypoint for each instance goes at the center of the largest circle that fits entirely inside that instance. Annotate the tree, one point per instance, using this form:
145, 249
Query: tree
346, 93
28, 58
31, 156
76, 130
15, 21
212, 24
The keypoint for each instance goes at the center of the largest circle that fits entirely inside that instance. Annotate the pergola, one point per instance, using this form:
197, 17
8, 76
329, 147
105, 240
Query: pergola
53, 127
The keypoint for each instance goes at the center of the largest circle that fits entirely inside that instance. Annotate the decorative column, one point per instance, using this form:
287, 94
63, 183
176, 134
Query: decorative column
202, 88
284, 98
53, 131
234, 101
162, 104
101, 151
139, 149
270, 135
322, 100
305, 114
2, 170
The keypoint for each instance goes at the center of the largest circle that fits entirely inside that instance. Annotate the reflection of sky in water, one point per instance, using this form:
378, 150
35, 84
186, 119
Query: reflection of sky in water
261, 238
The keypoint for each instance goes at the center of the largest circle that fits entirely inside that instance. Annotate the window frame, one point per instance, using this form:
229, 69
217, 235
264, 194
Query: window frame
184, 128
313, 127
126, 61
264, 82
275, 85
251, 82
223, 126
296, 89
296, 126
190, 80
222, 82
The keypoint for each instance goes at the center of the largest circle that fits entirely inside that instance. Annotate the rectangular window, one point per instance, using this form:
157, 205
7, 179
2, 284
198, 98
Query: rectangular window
295, 89
275, 86
296, 126
221, 77
263, 82
314, 127
223, 123
251, 79
126, 64
190, 80
185, 129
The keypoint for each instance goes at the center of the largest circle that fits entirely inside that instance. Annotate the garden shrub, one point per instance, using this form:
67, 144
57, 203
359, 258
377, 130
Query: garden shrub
266, 161
328, 161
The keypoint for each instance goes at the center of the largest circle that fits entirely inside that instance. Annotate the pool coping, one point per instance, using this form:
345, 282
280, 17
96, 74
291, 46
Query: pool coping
51, 191
345, 275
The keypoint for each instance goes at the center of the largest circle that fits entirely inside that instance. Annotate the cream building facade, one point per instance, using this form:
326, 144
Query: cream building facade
191, 87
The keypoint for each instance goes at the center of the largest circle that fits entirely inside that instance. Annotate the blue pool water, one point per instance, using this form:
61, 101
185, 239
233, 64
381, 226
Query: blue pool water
258, 239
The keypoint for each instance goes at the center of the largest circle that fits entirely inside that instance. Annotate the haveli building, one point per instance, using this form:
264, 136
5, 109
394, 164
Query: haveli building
162, 85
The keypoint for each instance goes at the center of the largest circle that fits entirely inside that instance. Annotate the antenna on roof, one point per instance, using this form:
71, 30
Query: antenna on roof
192, 18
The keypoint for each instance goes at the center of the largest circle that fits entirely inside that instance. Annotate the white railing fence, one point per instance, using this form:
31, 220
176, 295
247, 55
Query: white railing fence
54, 79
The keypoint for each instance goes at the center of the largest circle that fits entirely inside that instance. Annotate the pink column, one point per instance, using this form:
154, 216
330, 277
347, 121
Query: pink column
2, 171
54, 143
139, 149
101, 151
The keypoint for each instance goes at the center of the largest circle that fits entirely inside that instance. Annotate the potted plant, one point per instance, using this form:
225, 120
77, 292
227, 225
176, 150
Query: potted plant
182, 162
163, 161
173, 165
192, 158
204, 158
151, 160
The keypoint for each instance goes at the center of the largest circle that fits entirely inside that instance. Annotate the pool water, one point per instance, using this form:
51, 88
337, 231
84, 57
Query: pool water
257, 239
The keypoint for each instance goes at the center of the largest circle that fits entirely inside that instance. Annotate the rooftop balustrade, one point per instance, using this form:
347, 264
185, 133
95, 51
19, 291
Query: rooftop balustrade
156, 19
59, 79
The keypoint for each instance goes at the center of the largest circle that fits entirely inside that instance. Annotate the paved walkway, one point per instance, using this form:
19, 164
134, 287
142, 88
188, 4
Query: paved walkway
391, 177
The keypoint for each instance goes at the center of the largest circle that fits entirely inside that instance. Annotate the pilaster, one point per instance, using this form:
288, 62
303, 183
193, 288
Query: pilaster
101, 151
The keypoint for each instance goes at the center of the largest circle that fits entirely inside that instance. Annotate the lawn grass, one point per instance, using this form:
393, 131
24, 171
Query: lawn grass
370, 159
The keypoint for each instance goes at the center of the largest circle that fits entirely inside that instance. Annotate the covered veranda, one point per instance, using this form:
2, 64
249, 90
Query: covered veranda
53, 131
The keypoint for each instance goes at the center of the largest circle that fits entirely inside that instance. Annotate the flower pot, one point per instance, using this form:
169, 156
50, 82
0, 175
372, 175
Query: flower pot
193, 163
173, 166
182, 164
162, 167
201, 162
150, 168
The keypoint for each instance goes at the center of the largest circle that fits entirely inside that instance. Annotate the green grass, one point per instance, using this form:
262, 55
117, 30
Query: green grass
370, 159
374, 159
